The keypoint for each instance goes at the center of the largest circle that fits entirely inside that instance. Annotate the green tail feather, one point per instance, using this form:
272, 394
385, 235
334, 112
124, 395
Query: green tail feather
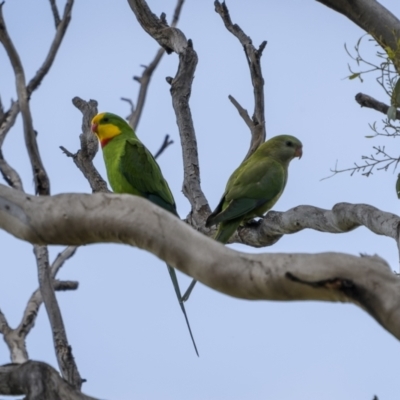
224, 233
174, 280
226, 230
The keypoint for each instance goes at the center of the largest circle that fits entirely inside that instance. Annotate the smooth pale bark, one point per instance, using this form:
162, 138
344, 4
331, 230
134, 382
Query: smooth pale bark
78, 219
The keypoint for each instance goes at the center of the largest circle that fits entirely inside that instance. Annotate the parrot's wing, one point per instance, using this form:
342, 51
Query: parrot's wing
235, 209
254, 185
141, 170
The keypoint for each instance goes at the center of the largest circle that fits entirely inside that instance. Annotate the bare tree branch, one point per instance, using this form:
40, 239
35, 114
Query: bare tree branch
65, 358
9, 174
144, 79
42, 184
42, 187
166, 143
367, 101
54, 10
54, 47
253, 57
38, 381
10, 116
172, 39
344, 217
374, 18
16, 338
77, 219
89, 146
242, 112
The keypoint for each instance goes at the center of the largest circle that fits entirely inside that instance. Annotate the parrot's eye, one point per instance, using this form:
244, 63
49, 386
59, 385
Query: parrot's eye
289, 143
106, 119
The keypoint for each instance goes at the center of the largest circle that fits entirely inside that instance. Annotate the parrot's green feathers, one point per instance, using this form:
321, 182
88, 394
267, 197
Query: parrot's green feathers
130, 166
255, 186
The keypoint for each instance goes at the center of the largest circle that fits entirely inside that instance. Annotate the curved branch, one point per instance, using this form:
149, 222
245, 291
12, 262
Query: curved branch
374, 18
77, 219
344, 217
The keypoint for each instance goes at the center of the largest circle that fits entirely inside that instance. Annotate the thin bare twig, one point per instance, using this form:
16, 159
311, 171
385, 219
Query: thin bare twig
42, 183
54, 10
242, 112
144, 79
54, 47
253, 57
10, 116
16, 338
166, 143
9, 174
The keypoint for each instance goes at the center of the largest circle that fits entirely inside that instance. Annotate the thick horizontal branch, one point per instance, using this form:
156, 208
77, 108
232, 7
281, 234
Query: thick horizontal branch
78, 219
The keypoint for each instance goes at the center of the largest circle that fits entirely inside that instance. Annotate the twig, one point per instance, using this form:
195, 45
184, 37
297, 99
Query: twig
16, 338
9, 174
56, 15
367, 101
166, 143
144, 82
253, 57
370, 163
89, 146
13, 111
242, 112
144, 79
55, 45
42, 183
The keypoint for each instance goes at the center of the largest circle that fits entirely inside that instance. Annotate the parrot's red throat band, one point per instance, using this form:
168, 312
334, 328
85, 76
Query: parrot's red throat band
104, 142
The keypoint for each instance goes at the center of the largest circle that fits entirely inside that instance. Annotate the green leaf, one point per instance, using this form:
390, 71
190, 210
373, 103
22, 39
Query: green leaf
369, 137
354, 76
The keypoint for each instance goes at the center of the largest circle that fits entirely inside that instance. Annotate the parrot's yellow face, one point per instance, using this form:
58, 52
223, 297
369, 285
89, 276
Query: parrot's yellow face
104, 128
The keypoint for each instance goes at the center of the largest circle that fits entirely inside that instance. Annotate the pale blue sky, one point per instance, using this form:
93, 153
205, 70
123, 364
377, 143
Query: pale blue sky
124, 324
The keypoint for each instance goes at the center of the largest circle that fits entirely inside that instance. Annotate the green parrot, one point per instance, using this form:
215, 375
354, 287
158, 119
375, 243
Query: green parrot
132, 169
253, 188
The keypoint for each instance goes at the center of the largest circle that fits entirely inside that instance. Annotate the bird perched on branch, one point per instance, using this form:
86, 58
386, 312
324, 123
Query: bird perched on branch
132, 169
254, 187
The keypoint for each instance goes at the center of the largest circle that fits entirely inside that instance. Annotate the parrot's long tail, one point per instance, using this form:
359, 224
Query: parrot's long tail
224, 233
174, 280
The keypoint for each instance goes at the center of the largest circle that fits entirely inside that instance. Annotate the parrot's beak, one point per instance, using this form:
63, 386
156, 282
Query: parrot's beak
299, 152
94, 127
